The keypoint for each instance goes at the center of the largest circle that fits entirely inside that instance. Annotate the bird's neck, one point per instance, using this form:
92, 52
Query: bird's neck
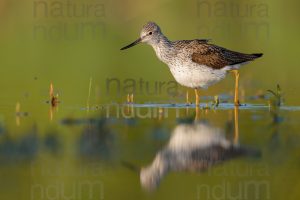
156, 171
162, 48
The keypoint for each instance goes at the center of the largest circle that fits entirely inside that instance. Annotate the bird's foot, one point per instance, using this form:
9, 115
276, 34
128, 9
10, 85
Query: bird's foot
237, 103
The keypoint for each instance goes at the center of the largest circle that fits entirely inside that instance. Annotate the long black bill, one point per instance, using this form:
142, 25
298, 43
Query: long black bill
132, 44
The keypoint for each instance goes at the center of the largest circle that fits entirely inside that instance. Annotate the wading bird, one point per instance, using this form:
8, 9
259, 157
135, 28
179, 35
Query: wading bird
194, 63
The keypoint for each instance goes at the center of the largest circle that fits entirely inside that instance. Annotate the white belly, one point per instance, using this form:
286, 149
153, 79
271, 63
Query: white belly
196, 76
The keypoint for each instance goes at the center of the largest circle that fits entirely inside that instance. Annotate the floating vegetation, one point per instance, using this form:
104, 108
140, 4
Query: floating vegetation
216, 101
53, 102
53, 98
276, 100
18, 111
212, 105
130, 98
19, 114
207, 106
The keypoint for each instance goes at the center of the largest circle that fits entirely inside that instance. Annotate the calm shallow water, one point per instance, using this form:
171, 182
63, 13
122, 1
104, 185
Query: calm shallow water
160, 151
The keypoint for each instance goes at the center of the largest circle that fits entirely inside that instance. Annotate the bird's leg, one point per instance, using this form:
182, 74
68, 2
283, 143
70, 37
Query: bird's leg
197, 115
236, 125
236, 89
197, 97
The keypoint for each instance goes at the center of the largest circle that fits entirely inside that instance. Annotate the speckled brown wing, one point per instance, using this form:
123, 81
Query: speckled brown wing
217, 57
202, 159
181, 44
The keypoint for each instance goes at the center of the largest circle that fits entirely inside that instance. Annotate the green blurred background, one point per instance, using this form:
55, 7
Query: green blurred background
49, 41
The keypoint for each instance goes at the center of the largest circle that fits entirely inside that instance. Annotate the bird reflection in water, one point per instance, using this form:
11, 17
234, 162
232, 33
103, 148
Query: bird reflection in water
193, 147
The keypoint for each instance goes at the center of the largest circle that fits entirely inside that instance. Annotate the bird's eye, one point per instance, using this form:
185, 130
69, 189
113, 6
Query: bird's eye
150, 33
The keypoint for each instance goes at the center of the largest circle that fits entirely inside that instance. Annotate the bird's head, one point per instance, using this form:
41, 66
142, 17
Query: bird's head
150, 34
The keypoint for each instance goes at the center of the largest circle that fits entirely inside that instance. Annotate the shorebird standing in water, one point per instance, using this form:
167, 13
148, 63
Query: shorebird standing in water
194, 63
